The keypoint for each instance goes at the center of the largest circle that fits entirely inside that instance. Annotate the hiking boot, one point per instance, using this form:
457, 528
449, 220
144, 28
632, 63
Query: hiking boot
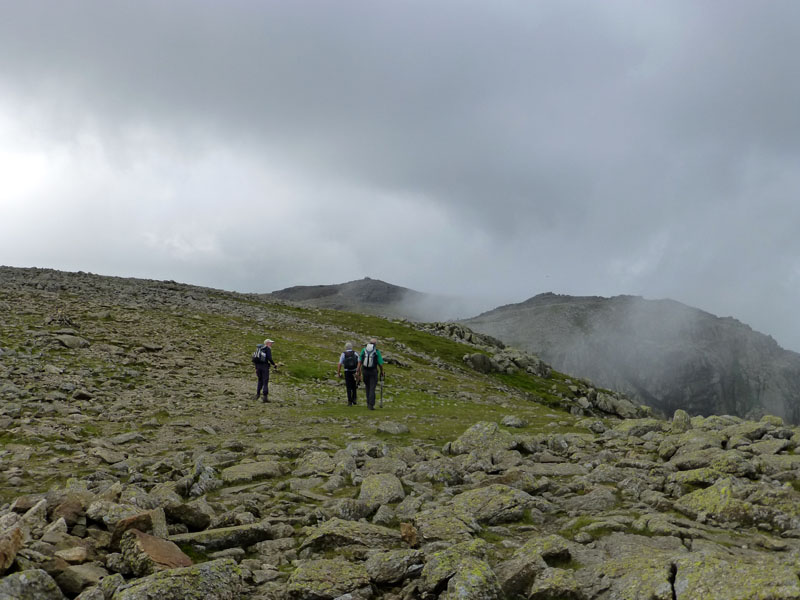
265, 400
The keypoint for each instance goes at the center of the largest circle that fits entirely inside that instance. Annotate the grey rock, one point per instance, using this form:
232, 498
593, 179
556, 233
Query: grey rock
383, 488
219, 579
326, 579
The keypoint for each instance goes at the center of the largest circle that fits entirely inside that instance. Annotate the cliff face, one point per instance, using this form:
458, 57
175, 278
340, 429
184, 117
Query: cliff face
663, 353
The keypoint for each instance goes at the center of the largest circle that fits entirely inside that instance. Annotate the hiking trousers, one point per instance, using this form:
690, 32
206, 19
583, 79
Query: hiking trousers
350, 384
370, 383
262, 372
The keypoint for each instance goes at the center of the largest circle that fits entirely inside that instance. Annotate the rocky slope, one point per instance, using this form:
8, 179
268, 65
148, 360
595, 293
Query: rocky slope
660, 352
136, 465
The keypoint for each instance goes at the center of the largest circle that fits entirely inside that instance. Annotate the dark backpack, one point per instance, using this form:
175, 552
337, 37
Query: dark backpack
370, 358
350, 362
259, 356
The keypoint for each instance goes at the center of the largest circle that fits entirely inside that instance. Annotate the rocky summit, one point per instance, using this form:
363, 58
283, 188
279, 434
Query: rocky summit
136, 463
660, 352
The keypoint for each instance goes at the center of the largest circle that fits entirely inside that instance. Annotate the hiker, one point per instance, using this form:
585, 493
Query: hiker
370, 362
262, 359
349, 362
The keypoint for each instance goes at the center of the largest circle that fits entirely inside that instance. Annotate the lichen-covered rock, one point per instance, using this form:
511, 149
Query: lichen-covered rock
247, 472
443, 565
556, 584
721, 504
597, 500
697, 459
484, 436
752, 430
735, 463
518, 573
473, 580
196, 514
326, 579
735, 578
702, 477
314, 463
634, 567
770, 464
34, 584
383, 488
110, 513
495, 503
441, 470
445, 523
219, 579
681, 422
639, 427
692, 440
616, 405
337, 532
393, 566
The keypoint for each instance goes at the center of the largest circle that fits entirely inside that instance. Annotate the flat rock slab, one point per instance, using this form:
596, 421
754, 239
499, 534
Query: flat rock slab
247, 472
338, 532
556, 470
239, 536
495, 503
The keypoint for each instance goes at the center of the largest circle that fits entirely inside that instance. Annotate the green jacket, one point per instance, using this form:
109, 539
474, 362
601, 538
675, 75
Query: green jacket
377, 355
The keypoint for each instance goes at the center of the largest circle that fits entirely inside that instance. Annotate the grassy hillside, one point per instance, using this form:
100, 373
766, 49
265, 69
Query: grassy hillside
172, 362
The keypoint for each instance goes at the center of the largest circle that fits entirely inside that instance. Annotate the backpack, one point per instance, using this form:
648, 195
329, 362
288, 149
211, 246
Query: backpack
259, 356
370, 357
350, 362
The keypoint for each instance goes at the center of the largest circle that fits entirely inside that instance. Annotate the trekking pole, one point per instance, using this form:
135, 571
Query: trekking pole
382, 378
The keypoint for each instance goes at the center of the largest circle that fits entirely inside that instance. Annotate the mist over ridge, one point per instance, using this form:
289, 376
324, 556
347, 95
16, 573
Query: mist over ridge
663, 353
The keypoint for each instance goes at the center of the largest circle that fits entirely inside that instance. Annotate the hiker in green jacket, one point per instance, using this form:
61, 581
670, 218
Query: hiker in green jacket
370, 362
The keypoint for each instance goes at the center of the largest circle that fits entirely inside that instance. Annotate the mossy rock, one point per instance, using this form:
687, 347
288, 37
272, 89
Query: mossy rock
325, 579
731, 578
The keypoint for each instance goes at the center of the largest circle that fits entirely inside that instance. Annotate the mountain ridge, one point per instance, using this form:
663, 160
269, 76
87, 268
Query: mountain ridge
664, 353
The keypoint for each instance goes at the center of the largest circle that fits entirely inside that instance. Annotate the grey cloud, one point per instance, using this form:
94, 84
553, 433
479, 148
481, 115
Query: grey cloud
583, 147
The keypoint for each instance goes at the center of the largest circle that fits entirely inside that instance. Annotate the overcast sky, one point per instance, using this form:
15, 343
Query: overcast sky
491, 149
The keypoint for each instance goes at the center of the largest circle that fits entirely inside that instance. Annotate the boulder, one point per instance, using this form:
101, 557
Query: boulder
34, 584
383, 488
484, 436
326, 579
219, 579
394, 566
496, 503
337, 532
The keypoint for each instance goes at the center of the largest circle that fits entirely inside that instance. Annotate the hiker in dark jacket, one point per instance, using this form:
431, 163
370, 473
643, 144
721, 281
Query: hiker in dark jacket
349, 362
262, 362
370, 362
